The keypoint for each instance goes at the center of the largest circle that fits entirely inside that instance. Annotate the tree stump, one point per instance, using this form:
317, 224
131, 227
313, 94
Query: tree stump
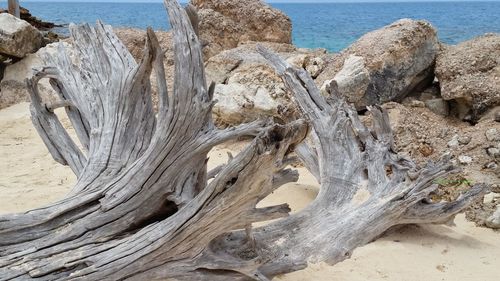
145, 207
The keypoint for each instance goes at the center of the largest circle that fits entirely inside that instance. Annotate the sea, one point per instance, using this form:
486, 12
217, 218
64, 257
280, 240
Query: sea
332, 26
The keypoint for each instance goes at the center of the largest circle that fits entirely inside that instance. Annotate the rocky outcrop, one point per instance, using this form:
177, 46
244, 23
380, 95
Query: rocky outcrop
13, 86
17, 37
224, 24
34, 21
247, 88
469, 73
424, 135
384, 65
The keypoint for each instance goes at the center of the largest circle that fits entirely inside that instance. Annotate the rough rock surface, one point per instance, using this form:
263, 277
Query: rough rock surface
17, 37
134, 39
470, 72
34, 21
224, 24
424, 135
384, 65
247, 88
494, 220
13, 86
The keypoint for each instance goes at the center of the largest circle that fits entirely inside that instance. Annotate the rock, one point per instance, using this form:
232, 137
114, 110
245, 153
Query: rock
17, 37
353, 78
438, 106
464, 159
464, 140
493, 152
314, 66
494, 220
34, 21
238, 103
426, 150
491, 197
417, 129
248, 88
411, 102
470, 72
224, 24
491, 165
13, 87
386, 64
493, 134
453, 143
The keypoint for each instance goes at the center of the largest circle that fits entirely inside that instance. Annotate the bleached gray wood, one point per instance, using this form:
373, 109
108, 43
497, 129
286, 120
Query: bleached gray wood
359, 199
142, 184
144, 206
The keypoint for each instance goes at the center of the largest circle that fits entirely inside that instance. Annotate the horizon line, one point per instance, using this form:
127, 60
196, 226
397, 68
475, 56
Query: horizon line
274, 1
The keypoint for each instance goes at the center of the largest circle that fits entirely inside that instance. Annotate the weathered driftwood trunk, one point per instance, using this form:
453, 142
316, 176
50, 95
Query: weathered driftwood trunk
145, 207
13, 7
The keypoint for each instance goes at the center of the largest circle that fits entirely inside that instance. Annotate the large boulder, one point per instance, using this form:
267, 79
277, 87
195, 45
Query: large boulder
17, 37
384, 65
13, 85
469, 73
226, 23
248, 88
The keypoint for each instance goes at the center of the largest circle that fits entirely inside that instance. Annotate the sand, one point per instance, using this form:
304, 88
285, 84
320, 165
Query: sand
29, 178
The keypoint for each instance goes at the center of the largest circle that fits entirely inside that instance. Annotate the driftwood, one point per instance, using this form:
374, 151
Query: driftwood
13, 8
145, 207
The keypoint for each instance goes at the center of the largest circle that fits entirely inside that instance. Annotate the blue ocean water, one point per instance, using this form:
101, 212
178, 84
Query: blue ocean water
333, 26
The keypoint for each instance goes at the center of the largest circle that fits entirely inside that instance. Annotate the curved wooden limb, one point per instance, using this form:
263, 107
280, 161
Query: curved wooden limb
143, 207
179, 239
60, 145
142, 203
366, 187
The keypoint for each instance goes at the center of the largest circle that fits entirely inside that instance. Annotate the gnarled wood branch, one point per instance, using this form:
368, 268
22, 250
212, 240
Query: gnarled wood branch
143, 207
366, 188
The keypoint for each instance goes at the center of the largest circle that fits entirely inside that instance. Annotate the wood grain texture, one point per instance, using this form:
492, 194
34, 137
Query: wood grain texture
145, 207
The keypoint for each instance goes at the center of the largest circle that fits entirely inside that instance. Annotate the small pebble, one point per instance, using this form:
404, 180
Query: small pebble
416, 103
426, 150
453, 142
464, 140
492, 135
447, 153
494, 220
464, 159
493, 152
490, 197
491, 165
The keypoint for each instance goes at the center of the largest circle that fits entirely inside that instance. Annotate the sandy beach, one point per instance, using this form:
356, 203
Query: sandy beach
29, 178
